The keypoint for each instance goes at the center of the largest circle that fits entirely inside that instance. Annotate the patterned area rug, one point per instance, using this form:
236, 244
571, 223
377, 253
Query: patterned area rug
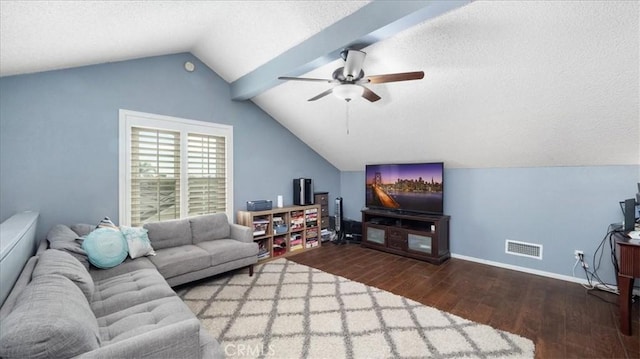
288, 310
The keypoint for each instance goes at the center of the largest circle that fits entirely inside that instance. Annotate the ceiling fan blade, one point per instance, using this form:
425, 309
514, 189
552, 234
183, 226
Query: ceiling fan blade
321, 95
401, 76
353, 64
304, 79
370, 95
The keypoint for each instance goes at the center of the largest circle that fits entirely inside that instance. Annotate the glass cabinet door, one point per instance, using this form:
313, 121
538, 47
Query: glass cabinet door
419, 243
375, 235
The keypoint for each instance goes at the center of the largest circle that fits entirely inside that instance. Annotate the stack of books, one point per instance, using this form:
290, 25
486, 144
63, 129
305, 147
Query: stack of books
260, 227
311, 242
312, 217
295, 242
263, 249
297, 220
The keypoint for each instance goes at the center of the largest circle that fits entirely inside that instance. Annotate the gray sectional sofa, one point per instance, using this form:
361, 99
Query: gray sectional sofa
59, 308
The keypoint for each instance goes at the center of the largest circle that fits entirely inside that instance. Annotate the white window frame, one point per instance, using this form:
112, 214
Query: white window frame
129, 119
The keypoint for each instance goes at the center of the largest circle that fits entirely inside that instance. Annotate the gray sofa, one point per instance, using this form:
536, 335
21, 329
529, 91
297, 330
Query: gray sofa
59, 308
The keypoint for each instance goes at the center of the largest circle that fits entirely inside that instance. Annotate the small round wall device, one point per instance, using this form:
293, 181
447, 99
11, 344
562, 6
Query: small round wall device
189, 66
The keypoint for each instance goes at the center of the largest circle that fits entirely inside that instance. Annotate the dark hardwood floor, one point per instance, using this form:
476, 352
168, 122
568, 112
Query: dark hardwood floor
562, 318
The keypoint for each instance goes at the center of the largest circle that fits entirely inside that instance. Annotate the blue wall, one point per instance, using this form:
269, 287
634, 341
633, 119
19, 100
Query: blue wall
352, 192
59, 156
59, 137
562, 208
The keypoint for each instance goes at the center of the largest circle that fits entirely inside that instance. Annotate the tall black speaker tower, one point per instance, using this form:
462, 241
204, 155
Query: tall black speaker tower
339, 222
302, 191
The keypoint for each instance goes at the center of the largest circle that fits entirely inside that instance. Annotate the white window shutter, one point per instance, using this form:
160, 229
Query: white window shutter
207, 177
155, 175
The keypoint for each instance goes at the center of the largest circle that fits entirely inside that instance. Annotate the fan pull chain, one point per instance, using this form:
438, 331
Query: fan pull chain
347, 110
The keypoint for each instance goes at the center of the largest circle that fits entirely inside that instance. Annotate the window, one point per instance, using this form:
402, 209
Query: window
206, 174
173, 168
155, 175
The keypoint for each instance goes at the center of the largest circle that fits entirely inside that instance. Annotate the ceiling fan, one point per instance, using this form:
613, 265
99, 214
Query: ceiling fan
351, 78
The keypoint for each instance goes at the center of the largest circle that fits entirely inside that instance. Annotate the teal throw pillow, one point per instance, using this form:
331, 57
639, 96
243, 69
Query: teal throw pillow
105, 247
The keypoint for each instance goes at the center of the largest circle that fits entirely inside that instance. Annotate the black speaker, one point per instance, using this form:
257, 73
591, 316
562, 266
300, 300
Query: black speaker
339, 223
338, 220
629, 215
302, 191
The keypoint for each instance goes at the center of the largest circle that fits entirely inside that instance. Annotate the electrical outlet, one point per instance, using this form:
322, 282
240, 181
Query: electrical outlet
579, 255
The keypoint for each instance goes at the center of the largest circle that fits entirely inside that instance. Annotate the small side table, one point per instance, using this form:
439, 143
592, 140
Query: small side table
628, 269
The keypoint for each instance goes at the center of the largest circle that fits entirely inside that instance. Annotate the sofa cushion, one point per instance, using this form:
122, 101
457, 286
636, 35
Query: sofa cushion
209, 226
51, 319
128, 289
168, 234
61, 233
227, 250
53, 261
82, 229
142, 318
64, 238
180, 260
129, 265
178, 340
105, 247
137, 241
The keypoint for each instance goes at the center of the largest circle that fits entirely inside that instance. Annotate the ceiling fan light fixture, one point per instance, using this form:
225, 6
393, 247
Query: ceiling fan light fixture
351, 78
348, 92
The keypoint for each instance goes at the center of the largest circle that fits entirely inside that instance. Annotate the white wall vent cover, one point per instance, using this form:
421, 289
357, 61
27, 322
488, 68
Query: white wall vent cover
524, 249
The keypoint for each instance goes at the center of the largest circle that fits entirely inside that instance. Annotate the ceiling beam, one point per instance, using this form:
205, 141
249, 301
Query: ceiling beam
373, 22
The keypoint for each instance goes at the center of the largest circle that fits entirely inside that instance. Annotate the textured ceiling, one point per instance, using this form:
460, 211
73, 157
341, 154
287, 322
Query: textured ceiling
507, 84
231, 37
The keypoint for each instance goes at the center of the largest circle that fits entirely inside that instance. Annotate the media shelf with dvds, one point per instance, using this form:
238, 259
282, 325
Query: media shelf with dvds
280, 232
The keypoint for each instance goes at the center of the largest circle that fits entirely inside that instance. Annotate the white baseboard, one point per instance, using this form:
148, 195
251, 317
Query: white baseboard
532, 271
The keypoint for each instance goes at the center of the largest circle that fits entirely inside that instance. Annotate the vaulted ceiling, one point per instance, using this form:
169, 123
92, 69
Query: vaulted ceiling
507, 83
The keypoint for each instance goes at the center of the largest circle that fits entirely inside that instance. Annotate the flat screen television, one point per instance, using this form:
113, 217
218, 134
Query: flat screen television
405, 187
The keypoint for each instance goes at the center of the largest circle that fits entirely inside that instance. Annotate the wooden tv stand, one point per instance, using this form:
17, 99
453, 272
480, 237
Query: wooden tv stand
414, 235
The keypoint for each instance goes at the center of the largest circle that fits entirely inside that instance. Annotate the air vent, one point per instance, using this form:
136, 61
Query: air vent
524, 249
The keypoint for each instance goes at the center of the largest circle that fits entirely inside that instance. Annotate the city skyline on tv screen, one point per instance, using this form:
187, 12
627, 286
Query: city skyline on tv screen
408, 187
390, 173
